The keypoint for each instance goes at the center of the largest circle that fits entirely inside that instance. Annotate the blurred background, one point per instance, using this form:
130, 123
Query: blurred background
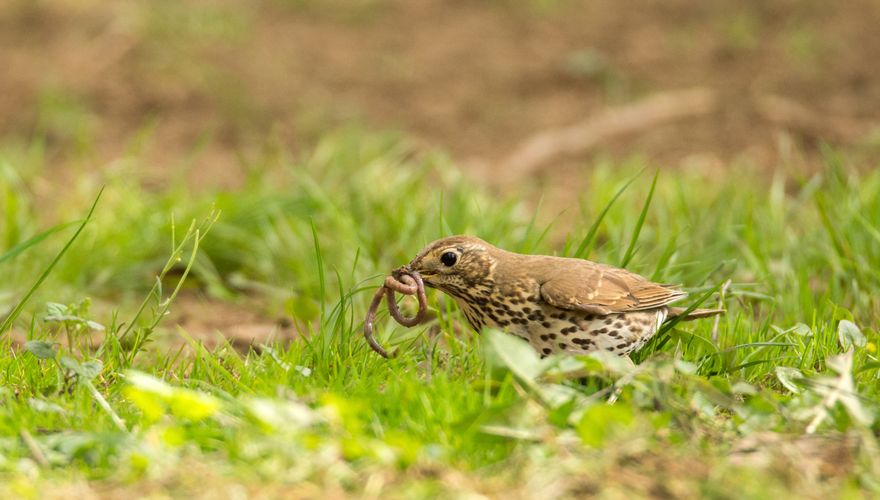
202, 88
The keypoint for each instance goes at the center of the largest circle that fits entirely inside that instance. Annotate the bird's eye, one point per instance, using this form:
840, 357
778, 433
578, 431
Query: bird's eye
448, 259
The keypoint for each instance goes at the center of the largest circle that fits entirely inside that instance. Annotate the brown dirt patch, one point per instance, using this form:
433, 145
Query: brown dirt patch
474, 77
214, 321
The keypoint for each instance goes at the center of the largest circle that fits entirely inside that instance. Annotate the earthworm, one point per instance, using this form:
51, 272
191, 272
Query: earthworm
401, 281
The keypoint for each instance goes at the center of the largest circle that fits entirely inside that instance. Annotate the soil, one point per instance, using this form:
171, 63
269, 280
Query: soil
214, 322
473, 77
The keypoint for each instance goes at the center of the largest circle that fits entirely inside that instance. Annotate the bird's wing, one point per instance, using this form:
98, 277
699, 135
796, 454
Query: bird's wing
599, 289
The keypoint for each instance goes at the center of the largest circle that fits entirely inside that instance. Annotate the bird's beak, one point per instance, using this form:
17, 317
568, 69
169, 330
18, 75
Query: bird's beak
400, 271
409, 268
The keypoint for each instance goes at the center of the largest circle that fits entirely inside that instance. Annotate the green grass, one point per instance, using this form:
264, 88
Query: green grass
147, 408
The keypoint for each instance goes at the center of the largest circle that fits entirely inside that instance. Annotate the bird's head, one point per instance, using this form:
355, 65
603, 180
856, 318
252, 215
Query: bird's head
454, 264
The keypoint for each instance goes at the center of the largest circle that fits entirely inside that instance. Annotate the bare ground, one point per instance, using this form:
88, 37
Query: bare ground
476, 78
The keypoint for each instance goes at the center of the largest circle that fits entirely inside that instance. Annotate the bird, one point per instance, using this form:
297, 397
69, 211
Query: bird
557, 304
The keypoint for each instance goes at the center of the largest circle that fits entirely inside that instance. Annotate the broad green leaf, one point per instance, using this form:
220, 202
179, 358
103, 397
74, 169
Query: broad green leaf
686, 367
703, 404
91, 368
787, 376
603, 421
192, 405
43, 406
507, 351
148, 383
87, 369
848, 334
54, 309
95, 326
150, 404
801, 330
559, 416
841, 389
743, 388
155, 397
71, 364
41, 349
614, 364
278, 414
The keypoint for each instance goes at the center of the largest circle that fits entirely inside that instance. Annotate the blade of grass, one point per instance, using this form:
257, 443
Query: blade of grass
631, 249
16, 311
665, 257
212, 362
691, 308
756, 362
873, 231
586, 244
102, 402
662, 337
319, 261
24, 245
527, 245
837, 241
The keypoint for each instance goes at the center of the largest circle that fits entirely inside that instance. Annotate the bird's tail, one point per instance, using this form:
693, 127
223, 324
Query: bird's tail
695, 314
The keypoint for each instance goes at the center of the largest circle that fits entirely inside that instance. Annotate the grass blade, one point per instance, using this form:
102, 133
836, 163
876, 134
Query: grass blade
631, 249
586, 245
319, 261
24, 245
662, 336
16, 311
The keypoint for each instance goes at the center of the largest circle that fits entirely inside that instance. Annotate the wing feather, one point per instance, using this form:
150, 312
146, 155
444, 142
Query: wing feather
599, 289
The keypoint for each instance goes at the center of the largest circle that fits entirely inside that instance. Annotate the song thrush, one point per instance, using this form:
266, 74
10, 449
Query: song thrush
557, 304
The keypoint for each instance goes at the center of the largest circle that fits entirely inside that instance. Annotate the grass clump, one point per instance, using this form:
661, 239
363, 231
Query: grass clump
710, 408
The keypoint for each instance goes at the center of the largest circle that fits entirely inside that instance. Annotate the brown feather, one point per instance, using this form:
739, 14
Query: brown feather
578, 284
